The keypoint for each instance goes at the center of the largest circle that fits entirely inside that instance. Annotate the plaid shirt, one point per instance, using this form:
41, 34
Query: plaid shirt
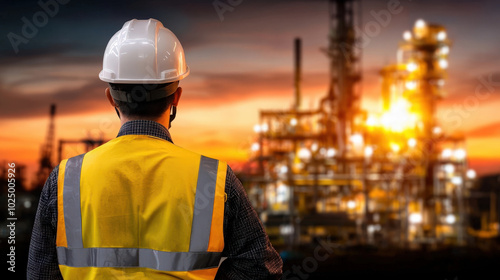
249, 253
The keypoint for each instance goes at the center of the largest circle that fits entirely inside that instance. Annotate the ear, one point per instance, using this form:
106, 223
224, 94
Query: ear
177, 96
110, 98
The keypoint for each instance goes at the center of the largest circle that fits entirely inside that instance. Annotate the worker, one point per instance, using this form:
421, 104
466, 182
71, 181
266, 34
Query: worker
139, 206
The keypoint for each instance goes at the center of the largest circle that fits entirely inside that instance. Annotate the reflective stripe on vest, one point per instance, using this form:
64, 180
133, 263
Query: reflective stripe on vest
205, 242
137, 257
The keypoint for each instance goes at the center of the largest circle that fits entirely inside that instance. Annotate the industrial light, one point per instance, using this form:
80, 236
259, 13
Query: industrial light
449, 168
437, 130
459, 154
357, 139
399, 116
331, 152
444, 50
443, 63
351, 204
412, 66
372, 121
420, 29
257, 128
411, 85
314, 147
412, 142
283, 169
373, 228
304, 154
446, 153
395, 147
282, 193
441, 36
297, 166
415, 218
407, 35
456, 180
471, 174
368, 151
420, 23
450, 219
293, 121
286, 229
255, 147
264, 127
263, 216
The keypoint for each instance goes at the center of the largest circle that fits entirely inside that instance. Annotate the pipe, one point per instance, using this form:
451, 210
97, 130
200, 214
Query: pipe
298, 72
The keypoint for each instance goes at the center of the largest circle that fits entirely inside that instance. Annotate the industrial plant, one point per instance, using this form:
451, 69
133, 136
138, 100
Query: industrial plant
364, 183
341, 174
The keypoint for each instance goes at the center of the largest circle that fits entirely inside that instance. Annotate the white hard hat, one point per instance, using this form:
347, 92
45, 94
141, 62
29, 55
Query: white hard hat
143, 52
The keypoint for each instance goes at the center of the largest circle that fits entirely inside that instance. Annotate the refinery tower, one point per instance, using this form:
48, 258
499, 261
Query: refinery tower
339, 173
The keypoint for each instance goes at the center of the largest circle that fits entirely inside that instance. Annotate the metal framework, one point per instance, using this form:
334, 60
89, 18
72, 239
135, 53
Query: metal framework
89, 144
338, 173
46, 164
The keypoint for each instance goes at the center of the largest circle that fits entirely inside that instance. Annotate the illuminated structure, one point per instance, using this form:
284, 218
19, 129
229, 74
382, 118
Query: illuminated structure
338, 173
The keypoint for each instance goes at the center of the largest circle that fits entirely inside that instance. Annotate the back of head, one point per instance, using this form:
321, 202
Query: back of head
136, 101
143, 63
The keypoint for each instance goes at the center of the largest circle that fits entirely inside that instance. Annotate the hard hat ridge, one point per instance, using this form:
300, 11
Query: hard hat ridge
143, 52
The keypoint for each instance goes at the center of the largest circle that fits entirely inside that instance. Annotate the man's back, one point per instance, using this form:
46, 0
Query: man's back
140, 207
143, 194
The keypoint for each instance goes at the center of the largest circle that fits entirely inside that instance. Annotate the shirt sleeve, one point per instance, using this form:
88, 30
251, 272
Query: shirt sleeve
42, 258
247, 248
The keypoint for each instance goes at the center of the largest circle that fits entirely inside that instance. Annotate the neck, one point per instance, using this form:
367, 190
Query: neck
163, 119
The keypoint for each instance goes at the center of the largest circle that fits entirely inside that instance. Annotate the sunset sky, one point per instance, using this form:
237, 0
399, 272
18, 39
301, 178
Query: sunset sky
240, 63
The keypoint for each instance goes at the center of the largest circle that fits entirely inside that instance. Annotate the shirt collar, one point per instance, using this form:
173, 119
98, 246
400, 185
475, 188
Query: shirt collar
145, 127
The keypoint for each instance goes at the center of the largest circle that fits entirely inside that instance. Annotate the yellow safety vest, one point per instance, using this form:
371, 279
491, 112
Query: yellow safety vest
139, 207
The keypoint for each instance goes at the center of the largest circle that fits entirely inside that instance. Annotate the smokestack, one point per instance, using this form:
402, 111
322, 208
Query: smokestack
298, 70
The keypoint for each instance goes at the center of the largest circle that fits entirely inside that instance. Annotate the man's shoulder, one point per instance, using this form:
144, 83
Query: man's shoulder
230, 175
167, 146
198, 154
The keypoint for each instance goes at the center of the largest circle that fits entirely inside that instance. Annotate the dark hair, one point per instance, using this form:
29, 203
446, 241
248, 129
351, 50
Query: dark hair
150, 109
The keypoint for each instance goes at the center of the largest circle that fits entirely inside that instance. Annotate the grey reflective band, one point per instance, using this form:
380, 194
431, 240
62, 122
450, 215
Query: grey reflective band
71, 202
137, 257
204, 204
139, 93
